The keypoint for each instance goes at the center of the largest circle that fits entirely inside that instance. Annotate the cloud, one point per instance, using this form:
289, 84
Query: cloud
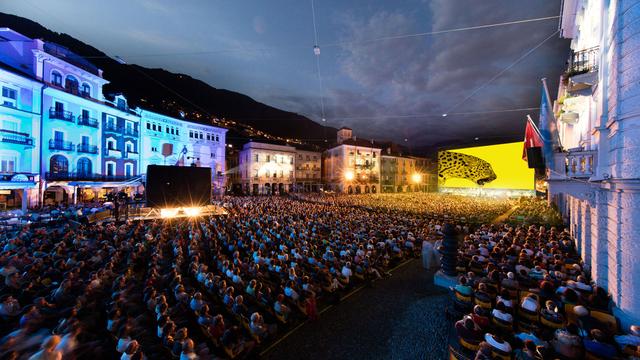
430, 75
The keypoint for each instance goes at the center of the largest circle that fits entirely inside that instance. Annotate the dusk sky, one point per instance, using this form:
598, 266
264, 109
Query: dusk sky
265, 49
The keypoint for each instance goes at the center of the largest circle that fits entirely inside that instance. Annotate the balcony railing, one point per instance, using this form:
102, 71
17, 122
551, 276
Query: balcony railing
61, 145
131, 132
581, 163
60, 114
79, 176
112, 127
87, 149
14, 137
112, 152
583, 61
87, 121
130, 154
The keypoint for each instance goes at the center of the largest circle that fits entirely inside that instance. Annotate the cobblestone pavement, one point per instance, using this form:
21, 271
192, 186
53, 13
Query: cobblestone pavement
399, 318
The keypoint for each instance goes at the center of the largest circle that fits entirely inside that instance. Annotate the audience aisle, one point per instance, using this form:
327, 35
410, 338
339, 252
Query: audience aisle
397, 319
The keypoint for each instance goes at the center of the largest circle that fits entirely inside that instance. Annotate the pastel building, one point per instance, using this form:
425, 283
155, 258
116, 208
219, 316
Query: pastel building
19, 140
352, 165
266, 168
120, 141
595, 179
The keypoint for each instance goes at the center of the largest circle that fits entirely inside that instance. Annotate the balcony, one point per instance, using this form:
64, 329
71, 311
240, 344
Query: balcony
131, 132
112, 128
14, 137
87, 149
87, 121
582, 72
60, 115
113, 153
61, 145
131, 155
581, 163
78, 176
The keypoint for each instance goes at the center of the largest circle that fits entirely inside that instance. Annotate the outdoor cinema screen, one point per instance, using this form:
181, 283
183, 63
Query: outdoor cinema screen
487, 167
178, 186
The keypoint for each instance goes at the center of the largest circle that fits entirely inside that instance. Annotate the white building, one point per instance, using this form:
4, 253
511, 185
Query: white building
169, 141
266, 168
352, 165
596, 179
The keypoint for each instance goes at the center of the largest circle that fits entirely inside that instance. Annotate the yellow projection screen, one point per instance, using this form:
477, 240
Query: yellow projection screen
492, 167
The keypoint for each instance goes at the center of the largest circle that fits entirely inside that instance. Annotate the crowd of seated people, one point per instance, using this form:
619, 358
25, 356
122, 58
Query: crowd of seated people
523, 293
455, 208
201, 288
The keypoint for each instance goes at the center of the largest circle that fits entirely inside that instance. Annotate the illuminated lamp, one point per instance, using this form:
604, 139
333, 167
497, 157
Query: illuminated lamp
192, 211
349, 175
168, 213
416, 178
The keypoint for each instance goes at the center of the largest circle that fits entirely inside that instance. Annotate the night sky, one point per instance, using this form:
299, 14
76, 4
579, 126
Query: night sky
392, 89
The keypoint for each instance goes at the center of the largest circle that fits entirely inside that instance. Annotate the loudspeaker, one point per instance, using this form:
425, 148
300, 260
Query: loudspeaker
535, 159
167, 149
178, 186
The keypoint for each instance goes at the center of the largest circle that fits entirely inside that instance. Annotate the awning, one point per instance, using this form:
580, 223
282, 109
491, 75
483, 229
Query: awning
105, 184
9, 185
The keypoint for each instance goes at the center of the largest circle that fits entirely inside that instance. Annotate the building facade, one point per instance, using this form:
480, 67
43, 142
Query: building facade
595, 178
62, 141
266, 168
352, 166
19, 145
308, 173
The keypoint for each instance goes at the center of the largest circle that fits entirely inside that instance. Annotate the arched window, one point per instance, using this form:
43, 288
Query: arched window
85, 90
71, 83
58, 164
56, 78
84, 167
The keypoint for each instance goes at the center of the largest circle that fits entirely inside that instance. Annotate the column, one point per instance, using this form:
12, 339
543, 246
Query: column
624, 257
24, 198
599, 225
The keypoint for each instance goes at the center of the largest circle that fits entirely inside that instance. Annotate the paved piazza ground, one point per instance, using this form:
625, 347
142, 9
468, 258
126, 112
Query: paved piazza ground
399, 318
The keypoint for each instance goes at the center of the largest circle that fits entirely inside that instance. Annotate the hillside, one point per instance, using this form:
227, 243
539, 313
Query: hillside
170, 93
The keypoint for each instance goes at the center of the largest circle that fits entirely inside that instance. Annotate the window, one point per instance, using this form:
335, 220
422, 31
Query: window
129, 147
56, 78
59, 107
9, 125
154, 127
173, 131
58, 136
167, 129
84, 166
8, 164
154, 149
9, 96
208, 137
201, 136
111, 144
121, 103
58, 164
177, 132
268, 158
85, 90
257, 158
111, 122
129, 127
85, 141
128, 169
217, 138
111, 168
85, 114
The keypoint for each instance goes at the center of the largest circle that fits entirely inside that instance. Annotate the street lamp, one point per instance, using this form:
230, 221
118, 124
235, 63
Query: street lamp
349, 175
416, 178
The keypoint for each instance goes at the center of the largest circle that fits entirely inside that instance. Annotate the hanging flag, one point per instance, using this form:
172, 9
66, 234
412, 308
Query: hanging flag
532, 149
548, 127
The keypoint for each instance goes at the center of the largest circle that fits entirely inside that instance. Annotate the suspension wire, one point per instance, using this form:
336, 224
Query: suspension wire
493, 78
438, 32
317, 56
